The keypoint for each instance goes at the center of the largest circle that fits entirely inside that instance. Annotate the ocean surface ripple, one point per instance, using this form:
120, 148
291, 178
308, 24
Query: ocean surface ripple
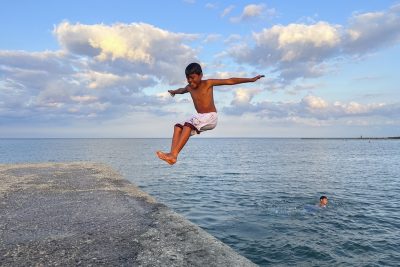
259, 195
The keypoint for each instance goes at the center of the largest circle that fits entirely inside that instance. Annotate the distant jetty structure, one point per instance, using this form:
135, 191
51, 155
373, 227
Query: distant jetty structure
351, 138
71, 214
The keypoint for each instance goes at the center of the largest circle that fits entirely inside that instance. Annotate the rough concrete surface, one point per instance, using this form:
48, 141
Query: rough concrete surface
86, 214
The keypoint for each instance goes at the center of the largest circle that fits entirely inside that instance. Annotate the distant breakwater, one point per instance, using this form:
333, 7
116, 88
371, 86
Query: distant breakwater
351, 138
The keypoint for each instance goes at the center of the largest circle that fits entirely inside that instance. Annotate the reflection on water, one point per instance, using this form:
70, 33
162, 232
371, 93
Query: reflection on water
256, 194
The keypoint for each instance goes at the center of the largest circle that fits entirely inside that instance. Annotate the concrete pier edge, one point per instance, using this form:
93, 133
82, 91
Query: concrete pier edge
85, 213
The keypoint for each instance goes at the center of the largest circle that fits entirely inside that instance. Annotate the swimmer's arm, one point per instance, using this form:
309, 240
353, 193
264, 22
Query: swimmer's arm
179, 91
232, 81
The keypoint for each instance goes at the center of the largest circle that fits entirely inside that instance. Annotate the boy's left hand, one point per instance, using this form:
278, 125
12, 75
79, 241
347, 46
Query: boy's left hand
171, 92
258, 77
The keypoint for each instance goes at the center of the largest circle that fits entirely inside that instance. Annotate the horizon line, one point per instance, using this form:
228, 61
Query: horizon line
199, 137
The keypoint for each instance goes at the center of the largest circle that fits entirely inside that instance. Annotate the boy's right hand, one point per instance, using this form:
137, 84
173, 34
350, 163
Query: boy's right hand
171, 92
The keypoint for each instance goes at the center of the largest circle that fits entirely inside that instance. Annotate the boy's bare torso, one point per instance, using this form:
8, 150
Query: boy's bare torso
203, 97
201, 92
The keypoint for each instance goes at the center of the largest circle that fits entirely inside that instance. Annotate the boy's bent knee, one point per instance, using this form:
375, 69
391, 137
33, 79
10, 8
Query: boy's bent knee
178, 126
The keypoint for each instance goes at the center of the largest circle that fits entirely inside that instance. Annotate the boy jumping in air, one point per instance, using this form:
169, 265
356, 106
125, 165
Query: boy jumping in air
206, 118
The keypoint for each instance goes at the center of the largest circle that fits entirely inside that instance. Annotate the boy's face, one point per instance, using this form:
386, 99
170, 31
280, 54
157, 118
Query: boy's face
324, 201
194, 80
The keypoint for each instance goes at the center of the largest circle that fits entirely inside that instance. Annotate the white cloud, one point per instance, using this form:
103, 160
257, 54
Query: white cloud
103, 80
84, 98
227, 11
369, 31
233, 38
212, 38
211, 6
292, 43
308, 50
226, 74
314, 102
310, 107
34, 62
136, 47
253, 11
243, 96
100, 73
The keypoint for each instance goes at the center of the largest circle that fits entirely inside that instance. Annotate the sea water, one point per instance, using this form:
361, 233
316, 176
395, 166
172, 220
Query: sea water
259, 195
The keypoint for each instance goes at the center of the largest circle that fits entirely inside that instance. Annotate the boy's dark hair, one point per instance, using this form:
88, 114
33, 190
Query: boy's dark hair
193, 68
322, 197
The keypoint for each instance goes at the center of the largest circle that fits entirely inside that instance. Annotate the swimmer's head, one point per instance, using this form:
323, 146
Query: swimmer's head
323, 201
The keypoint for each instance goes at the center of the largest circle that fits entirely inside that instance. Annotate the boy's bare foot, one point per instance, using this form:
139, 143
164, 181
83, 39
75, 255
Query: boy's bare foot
167, 157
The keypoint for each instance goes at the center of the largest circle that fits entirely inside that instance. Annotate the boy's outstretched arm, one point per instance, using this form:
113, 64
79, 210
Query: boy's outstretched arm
232, 81
179, 91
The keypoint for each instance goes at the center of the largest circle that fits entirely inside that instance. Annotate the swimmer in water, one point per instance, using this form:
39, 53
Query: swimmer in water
323, 201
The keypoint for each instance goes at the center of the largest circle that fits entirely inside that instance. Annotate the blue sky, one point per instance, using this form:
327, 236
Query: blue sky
102, 68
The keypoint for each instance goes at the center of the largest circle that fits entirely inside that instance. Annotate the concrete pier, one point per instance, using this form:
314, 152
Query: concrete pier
87, 214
